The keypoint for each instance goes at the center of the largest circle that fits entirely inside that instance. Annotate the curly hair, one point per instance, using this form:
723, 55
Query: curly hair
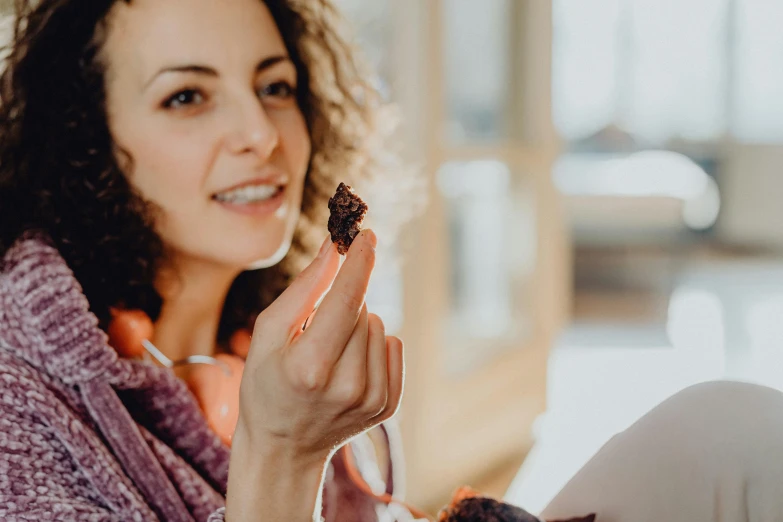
59, 174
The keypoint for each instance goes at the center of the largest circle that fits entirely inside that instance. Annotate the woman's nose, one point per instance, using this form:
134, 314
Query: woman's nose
253, 131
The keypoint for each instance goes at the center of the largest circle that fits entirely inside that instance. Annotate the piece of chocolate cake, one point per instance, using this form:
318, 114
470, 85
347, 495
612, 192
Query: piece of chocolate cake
347, 210
483, 509
468, 506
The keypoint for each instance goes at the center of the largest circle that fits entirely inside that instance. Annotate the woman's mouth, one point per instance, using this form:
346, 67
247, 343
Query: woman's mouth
249, 194
252, 199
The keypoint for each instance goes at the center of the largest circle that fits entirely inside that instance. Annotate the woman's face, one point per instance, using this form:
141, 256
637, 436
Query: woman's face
201, 97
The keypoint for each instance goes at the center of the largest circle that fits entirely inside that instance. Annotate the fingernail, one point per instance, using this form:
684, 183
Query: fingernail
325, 247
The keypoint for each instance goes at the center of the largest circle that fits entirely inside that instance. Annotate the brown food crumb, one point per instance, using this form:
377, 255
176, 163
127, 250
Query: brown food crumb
347, 210
484, 509
469, 506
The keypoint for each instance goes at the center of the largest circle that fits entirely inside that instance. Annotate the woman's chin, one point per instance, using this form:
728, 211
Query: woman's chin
265, 261
253, 249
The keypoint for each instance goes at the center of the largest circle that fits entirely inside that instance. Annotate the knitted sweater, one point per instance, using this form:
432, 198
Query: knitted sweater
86, 435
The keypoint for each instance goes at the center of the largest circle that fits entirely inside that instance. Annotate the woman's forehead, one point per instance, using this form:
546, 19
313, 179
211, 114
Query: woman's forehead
146, 35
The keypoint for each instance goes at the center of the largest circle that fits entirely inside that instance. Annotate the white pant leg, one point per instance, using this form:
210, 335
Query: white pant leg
713, 452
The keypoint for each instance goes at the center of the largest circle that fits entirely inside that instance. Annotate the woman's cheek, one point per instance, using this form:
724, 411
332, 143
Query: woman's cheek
295, 139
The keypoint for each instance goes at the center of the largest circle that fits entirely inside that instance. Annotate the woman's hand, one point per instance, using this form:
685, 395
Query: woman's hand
305, 393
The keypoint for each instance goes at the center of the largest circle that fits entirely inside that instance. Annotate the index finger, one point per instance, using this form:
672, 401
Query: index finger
287, 313
336, 318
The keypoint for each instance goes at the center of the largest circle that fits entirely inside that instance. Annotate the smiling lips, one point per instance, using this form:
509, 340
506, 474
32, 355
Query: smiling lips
260, 197
249, 194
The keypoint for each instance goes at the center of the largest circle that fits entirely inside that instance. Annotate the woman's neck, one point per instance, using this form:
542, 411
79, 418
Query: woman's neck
193, 297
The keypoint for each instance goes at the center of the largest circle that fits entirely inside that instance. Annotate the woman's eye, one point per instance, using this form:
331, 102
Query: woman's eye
184, 98
278, 90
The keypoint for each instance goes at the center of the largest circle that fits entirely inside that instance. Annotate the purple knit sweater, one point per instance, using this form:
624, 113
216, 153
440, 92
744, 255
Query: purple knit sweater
88, 436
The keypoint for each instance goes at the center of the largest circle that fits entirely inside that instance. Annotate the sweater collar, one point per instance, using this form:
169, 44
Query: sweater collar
45, 317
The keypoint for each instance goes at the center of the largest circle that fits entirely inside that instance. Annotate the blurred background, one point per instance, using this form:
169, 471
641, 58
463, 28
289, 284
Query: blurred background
603, 228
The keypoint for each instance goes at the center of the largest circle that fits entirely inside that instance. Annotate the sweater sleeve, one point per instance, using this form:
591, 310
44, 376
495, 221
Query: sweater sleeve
42, 431
37, 479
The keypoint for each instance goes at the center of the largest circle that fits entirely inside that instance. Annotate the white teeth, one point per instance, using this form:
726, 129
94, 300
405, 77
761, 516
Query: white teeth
248, 194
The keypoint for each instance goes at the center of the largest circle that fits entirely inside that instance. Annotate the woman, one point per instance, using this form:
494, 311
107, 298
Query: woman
173, 158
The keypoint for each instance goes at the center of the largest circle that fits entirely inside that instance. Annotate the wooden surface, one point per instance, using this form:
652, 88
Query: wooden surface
461, 429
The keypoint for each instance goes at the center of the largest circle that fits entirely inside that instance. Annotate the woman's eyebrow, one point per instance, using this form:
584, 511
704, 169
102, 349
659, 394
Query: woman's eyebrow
264, 64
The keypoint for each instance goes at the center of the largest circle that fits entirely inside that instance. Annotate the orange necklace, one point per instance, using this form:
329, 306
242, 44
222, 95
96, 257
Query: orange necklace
214, 381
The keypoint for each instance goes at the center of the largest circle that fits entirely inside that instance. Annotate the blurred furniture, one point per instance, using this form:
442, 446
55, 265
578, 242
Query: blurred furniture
486, 273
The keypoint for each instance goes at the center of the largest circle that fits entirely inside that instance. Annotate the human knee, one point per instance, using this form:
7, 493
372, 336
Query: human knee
722, 401
733, 420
